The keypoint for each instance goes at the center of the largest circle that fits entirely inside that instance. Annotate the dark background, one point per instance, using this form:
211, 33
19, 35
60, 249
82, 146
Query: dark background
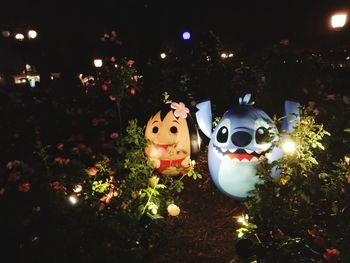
69, 30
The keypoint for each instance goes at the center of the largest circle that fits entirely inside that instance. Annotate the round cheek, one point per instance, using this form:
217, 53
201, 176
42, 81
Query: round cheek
183, 138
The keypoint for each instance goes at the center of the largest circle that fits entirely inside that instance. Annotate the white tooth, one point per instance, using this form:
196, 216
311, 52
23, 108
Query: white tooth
258, 151
227, 157
232, 150
244, 161
248, 151
254, 159
235, 160
223, 150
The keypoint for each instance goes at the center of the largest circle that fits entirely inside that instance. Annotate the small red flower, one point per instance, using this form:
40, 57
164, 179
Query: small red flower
57, 186
92, 171
331, 255
24, 187
104, 87
62, 161
60, 147
132, 91
113, 135
130, 63
277, 234
12, 164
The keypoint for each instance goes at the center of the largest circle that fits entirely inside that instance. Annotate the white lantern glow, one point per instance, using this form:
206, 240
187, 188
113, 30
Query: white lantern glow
338, 20
32, 34
98, 63
19, 36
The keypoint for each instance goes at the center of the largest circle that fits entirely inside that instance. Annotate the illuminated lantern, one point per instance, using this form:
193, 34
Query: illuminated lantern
243, 136
174, 139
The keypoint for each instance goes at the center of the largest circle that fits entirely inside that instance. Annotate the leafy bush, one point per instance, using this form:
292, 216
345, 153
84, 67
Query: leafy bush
301, 215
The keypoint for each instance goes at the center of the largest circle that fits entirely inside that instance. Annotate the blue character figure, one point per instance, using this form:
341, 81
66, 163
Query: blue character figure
242, 137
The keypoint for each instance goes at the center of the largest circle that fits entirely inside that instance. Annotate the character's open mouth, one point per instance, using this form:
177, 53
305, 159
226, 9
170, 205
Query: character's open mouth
239, 155
164, 147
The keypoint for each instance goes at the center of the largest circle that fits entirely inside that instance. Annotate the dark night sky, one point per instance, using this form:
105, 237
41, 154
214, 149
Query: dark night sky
144, 24
137, 18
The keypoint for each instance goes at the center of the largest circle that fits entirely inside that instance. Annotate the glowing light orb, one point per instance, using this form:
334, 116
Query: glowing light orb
19, 36
98, 63
289, 146
338, 20
73, 199
32, 34
186, 35
223, 55
162, 55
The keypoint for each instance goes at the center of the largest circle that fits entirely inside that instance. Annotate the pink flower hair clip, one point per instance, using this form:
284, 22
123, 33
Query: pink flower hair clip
180, 109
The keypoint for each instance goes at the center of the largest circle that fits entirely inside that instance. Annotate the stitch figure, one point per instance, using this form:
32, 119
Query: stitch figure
242, 137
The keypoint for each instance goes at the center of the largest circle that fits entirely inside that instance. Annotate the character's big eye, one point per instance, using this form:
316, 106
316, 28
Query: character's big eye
263, 135
173, 129
222, 135
155, 129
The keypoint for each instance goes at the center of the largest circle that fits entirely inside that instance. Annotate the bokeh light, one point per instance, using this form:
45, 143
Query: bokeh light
186, 35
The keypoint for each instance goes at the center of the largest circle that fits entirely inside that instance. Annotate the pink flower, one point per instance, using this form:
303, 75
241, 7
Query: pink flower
113, 135
113, 59
104, 87
180, 109
132, 91
277, 234
60, 146
112, 98
24, 187
12, 164
130, 63
57, 186
61, 161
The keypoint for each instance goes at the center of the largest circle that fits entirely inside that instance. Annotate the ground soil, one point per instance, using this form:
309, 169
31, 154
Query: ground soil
205, 229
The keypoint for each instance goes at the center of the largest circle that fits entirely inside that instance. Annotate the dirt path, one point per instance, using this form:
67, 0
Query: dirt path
205, 229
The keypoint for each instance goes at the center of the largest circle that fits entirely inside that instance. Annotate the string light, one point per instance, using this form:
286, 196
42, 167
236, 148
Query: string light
32, 34
19, 36
163, 55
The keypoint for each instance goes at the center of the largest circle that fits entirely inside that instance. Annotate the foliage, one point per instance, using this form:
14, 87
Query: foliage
301, 214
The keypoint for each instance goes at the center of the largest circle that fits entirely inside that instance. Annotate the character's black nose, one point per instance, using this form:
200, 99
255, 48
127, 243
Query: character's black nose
241, 138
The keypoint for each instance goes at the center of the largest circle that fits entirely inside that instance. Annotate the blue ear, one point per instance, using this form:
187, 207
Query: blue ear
204, 117
292, 113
